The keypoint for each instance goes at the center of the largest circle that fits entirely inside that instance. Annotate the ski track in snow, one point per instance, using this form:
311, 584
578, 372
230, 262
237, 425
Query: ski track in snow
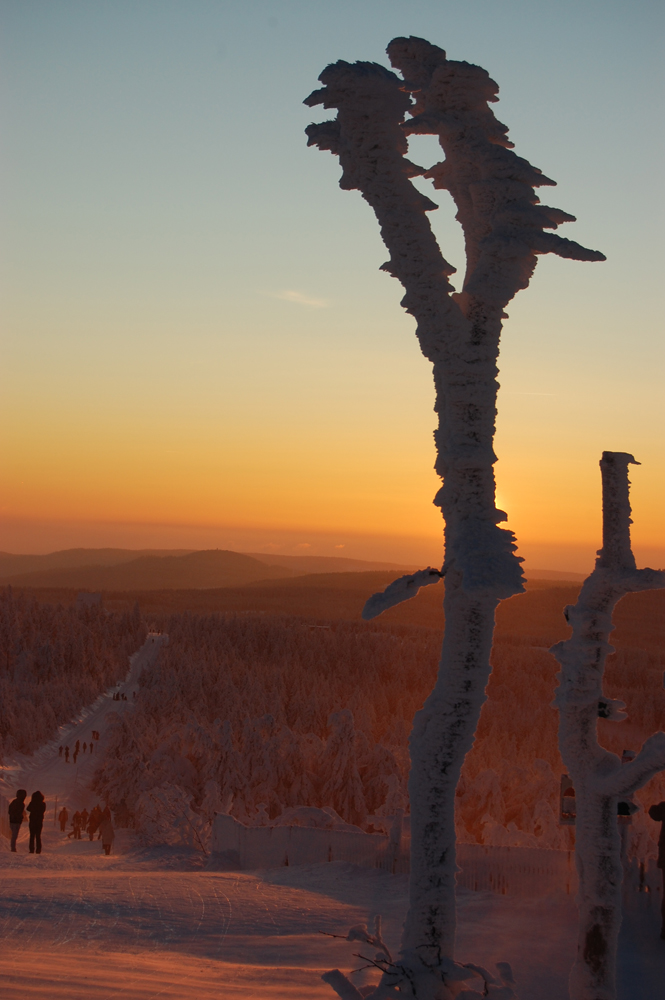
69, 782
156, 923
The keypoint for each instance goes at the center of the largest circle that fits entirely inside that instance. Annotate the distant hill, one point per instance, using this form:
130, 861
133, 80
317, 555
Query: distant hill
148, 569
15, 565
197, 570
187, 569
329, 564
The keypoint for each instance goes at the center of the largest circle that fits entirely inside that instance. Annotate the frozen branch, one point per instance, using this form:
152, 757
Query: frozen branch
359, 932
628, 778
342, 986
400, 590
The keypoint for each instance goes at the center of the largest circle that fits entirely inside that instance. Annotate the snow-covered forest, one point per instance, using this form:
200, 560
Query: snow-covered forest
258, 715
54, 660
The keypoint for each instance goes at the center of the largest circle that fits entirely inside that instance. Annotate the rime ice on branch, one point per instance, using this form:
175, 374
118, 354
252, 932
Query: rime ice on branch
400, 590
504, 227
599, 777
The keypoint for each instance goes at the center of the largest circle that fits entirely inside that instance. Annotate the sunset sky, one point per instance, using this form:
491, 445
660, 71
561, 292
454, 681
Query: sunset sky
198, 347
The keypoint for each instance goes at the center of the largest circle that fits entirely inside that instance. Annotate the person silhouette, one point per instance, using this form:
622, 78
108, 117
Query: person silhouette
75, 831
66, 755
107, 831
16, 813
36, 808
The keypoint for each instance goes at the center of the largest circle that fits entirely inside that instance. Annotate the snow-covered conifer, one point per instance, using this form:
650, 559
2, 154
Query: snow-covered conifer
343, 789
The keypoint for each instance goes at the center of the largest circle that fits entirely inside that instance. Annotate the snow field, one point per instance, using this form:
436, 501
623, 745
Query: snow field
143, 924
148, 923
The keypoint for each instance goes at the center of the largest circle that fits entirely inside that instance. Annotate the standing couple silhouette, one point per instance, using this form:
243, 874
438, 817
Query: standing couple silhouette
36, 809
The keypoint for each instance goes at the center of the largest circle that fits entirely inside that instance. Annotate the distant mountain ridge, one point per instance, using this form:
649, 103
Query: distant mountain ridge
124, 569
203, 570
304, 565
189, 569
13, 565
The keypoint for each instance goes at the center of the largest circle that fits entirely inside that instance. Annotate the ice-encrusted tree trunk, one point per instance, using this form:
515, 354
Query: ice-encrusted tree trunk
599, 777
459, 333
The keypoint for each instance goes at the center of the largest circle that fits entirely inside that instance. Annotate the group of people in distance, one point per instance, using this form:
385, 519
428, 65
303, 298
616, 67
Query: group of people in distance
77, 750
36, 808
97, 819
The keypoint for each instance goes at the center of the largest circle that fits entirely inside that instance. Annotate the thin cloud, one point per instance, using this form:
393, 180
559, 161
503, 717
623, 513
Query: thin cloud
289, 295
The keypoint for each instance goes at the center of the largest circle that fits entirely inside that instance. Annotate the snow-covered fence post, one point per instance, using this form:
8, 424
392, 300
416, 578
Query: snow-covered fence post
459, 333
599, 777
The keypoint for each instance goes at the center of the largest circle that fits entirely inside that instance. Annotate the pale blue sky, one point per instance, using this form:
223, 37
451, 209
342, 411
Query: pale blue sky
159, 198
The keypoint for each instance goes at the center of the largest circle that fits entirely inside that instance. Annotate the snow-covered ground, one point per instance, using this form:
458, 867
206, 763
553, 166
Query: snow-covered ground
163, 922
158, 923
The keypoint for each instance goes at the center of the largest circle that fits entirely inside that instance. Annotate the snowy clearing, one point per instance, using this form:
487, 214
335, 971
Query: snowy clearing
157, 923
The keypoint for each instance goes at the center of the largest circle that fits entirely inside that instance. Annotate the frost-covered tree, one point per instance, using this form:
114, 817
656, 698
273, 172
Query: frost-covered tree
198, 727
343, 789
599, 777
503, 223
